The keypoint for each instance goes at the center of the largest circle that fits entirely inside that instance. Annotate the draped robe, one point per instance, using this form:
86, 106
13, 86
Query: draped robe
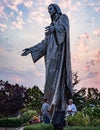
56, 50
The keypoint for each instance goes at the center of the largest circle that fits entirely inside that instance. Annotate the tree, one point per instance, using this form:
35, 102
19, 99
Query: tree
78, 96
34, 98
75, 79
12, 98
93, 96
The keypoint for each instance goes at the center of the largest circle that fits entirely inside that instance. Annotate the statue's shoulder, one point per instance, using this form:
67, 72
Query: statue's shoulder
64, 17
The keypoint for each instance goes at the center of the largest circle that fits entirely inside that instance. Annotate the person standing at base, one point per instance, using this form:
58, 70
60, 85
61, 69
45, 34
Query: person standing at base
71, 108
45, 111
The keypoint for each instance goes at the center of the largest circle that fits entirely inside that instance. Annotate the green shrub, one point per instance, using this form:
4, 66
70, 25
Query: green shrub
39, 127
92, 112
10, 122
81, 128
23, 110
78, 120
15, 121
26, 116
95, 122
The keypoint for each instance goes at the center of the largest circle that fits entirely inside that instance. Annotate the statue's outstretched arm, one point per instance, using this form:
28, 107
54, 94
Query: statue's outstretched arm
26, 52
36, 51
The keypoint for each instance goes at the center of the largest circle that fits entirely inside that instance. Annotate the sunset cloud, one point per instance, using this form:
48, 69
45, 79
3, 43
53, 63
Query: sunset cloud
93, 62
92, 79
92, 74
95, 5
76, 59
19, 23
37, 15
83, 42
28, 3
98, 56
47, 2
69, 5
97, 9
12, 4
2, 13
97, 32
3, 27
90, 64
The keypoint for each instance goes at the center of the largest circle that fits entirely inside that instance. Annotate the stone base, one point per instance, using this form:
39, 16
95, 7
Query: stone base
58, 120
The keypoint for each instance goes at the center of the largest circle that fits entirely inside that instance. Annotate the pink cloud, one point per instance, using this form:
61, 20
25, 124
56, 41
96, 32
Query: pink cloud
17, 79
70, 5
38, 73
91, 80
37, 15
28, 4
98, 54
97, 9
87, 67
47, 2
13, 4
2, 13
75, 59
19, 23
3, 27
97, 32
91, 4
83, 42
97, 57
86, 36
93, 62
89, 64
65, 4
95, 5
92, 74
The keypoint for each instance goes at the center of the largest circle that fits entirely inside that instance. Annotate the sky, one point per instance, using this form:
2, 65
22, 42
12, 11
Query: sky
22, 24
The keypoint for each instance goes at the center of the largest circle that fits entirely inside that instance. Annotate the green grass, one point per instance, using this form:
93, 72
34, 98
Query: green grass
50, 127
39, 127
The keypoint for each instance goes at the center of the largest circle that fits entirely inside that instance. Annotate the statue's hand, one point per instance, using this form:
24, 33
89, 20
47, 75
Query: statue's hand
49, 29
26, 52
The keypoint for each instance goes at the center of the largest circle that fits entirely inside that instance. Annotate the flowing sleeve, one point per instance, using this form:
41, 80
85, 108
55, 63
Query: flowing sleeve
39, 50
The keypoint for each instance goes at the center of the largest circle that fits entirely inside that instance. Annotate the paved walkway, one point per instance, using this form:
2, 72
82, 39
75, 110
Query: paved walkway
20, 128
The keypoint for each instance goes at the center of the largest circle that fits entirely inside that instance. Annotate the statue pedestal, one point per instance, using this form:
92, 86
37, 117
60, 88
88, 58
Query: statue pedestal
58, 120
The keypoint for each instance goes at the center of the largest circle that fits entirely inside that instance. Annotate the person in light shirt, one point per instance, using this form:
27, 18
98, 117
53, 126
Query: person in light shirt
71, 108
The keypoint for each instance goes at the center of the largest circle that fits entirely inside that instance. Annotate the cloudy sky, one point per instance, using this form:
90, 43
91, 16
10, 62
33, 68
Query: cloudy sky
22, 24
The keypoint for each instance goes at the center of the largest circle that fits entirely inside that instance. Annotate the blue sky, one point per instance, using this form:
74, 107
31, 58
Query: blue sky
22, 24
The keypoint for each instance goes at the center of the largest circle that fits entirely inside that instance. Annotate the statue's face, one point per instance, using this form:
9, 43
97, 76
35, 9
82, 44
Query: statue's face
51, 10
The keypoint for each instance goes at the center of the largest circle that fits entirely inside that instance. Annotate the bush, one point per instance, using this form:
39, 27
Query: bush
78, 120
15, 121
26, 116
92, 112
39, 127
81, 128
10, 122
95, 122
